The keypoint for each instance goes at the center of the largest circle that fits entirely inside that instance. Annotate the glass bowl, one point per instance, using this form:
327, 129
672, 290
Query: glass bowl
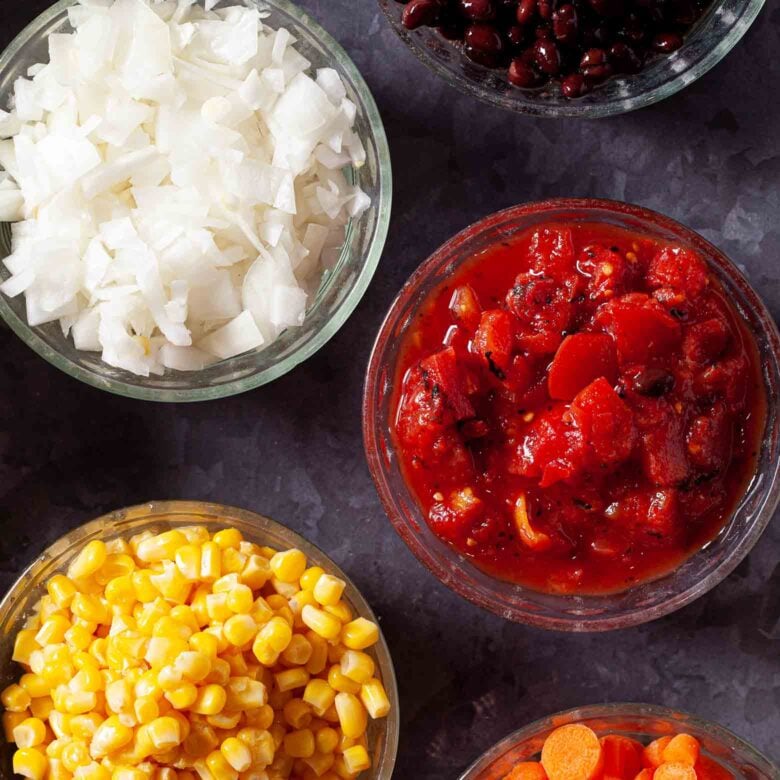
647, 601
162, 515
712, 38
645, 722
340, 291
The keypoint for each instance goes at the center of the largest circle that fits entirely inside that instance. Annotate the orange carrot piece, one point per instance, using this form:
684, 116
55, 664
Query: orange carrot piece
528, 770
645, 774
622, 757
707, 769
651, 757
675, 772
572, 752
683, 749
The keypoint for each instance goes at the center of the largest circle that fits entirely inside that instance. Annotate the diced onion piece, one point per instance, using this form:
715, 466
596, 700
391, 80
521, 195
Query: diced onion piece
238, 336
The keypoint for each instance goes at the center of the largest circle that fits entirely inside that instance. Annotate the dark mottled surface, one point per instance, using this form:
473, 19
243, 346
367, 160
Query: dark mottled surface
710, 157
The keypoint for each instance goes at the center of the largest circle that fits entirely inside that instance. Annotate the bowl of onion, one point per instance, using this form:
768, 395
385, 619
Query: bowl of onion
193, 196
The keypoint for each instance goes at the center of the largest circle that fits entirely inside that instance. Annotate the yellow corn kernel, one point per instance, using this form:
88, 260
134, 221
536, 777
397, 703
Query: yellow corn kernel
217, 608
119, 696
183, 613
225, 721
171, 583
286, 590
276, 602
328, 590
88, 678
326, 739
145, 709
84, 726
35, 685
79, 702
41, 708
319, 621
56, 770
15, 699
244, 693
357, 666
233, 561
290, 679
168, 626
90, 608
319, 653
319, 695
112, 735
261, 718
164, 733
261, 611
335, 651
220, 672
256, 572
237, 662
299, 601
360, 634
310, 576
163, 651
298, 652
228, 537
161, 547
116, 565
129, 773
183, 697
62, 590
340, 611
75, 754
340, 683
89, 560
169, 678
59, 723
205, 643
30, 763
210, 562
52, 630
356, 759
211, 700
288, 566
201, 740
352, 715
297, 713
188, 562
146, 686
93, 771
375, 699
29, 733
273, 639
237, 754
193, 665
319, 764
299, 744
198, 605
144, 588
78, 637
240, 600
219, 768
239, 630
195, 534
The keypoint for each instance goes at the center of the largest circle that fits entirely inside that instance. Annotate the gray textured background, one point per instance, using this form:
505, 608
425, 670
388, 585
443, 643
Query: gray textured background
709, 156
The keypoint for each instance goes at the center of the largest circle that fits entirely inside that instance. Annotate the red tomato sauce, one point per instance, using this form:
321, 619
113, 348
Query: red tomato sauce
579, 408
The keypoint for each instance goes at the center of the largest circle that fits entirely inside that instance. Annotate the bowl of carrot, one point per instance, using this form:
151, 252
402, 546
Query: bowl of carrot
622, 742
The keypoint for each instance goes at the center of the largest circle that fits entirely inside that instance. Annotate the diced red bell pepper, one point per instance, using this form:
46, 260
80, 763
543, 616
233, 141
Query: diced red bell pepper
494, 340
465, 307
679, 268
705, 341
605, 423
551, 251
441, 374
544, 310
640, 326
581, 358
709, 439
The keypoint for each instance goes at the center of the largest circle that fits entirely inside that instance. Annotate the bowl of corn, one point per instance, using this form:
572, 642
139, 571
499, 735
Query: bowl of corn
191, 641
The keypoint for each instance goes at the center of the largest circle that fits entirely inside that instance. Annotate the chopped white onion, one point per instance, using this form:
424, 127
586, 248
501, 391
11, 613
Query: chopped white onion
174, 176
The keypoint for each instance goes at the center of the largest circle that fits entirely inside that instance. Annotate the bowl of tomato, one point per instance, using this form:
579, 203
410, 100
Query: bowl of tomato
570, 414
624, 742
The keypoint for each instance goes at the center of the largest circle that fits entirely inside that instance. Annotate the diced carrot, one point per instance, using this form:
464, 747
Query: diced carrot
572, 752
528, 770
652, 754
683, 749
645, 774
622, 757
675, 772
707, 769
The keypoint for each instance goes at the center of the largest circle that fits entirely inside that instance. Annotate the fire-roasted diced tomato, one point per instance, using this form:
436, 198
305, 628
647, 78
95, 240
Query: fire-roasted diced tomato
441, 374
640, 326
606, 272
679, 268
465, 307
650, 514
494, 340
605, 423
580, 359
551, 252
705, 342
544, 310
709, 439
663, 443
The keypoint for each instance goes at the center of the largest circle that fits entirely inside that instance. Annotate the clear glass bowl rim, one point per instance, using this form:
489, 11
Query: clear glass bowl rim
336, 319
129, 520
526, 105
620, 709
404, 526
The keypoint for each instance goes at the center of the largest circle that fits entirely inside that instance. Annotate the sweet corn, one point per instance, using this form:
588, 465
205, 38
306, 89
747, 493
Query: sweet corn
374, 698
180, 656
30, 763
319, 621
288, 566
356, 759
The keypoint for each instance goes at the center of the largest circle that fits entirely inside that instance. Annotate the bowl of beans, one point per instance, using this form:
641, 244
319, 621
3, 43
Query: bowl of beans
185, 640
625, 742
588, 58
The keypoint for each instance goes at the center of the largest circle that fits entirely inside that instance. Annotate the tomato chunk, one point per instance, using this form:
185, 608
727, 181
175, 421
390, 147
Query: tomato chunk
605, 423
494, 340
465, 306
551, 252
709, 439
664, 452
442, 374
606, 271
580, 359
679, 268
544, 310
706, 341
